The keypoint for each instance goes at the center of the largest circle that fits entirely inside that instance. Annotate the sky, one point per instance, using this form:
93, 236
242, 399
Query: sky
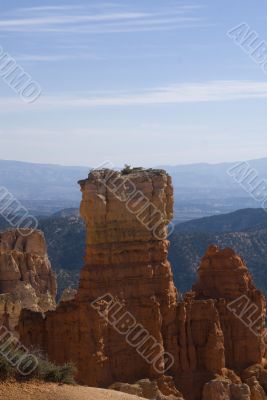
142, 82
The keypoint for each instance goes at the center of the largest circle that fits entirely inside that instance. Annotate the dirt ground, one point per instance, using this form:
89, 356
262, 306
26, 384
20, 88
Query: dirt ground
47, 391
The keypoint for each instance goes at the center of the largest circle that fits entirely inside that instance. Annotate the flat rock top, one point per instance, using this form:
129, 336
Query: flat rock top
134, 174
51, 391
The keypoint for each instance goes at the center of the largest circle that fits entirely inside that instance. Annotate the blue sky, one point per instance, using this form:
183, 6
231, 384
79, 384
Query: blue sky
143, 82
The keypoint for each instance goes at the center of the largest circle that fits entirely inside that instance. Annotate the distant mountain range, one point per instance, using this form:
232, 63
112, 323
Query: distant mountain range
250, 218
244, 230
42, 188
200, 189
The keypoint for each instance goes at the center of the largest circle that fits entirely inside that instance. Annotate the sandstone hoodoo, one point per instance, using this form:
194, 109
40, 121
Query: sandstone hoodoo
125, 323
222, 321
126, 257
26, 276
223, 276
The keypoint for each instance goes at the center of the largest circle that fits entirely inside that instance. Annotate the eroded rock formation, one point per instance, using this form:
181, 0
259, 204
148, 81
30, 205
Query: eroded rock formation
162, 389
223, 276
126, 257
126, 283
222, 389
224, 316
26, 277
68, 295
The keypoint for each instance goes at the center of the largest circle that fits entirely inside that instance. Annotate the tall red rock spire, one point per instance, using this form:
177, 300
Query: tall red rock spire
126, 257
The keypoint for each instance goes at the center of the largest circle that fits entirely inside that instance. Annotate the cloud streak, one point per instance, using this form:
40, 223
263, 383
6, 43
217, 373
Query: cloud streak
212, 91
70, 19
55, 57
49, 8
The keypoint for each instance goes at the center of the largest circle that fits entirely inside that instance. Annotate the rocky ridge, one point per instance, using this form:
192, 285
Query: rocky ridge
127, 281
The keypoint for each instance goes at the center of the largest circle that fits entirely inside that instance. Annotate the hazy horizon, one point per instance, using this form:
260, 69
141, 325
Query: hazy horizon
134, 165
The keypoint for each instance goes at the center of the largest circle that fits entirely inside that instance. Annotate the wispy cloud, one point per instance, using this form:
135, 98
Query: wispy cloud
69, 7
55, 57
116, 28
213, 91
69, 18
65, 7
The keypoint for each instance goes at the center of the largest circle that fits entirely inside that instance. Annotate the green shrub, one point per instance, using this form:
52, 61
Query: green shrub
50, 372
126, 170
46, 371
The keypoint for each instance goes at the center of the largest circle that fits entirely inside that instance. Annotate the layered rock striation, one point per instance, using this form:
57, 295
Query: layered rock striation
126, 261
224, 277
222, 321
125, 322
26, 276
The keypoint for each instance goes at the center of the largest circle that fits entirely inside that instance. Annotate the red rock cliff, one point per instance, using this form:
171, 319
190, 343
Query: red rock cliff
126, 257
126, 270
